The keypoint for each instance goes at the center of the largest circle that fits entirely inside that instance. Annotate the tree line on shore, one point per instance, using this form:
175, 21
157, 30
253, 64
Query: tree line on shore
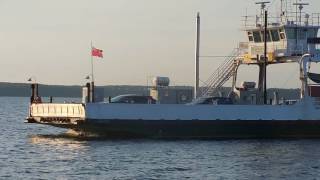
23, 90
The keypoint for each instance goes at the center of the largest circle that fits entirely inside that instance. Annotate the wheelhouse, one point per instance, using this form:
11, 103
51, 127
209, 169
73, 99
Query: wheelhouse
288, 35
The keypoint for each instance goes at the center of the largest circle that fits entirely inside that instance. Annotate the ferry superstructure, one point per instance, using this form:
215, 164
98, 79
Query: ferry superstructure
287, 40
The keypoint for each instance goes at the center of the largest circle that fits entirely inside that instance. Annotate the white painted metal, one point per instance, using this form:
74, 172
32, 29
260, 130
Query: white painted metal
304, 74
302, 110
57, 110
160, 81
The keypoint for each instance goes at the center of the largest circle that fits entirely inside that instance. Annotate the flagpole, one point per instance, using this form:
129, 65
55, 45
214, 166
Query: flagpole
92, 76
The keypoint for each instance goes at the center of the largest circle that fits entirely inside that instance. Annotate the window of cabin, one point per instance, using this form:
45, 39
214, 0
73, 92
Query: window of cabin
250, 36
282, 34
275, 35
256, 36
312, 33
291, 33
302, 33
268, 36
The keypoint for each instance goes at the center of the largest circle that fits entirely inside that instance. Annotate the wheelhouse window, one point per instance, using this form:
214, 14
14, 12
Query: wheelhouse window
257, 36
282, 34
312, 33
291, 33
250, 36
303, 33
275, 35
268, 36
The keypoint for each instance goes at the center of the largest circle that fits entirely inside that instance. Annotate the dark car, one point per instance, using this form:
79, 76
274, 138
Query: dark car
212, 100
133, 99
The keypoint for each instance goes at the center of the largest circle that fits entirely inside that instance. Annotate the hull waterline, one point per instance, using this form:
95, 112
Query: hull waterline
210, 129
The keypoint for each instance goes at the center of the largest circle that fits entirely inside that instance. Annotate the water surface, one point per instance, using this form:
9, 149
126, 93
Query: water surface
29, 151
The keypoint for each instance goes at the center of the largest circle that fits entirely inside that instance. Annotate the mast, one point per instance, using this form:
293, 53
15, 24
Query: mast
282, 12
263, 6
265, 57
92, 76
281, 7
197, 49
262, 85
299, 6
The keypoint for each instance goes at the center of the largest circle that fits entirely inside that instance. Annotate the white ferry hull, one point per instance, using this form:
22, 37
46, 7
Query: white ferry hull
306, 109
188, 121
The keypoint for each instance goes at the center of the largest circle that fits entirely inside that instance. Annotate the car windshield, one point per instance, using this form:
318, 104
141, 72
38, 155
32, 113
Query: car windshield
211, 100
133, 99
117, 99
198, 101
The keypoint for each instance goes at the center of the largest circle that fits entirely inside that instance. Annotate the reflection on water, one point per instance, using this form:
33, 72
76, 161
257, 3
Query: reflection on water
58, 141
63, 146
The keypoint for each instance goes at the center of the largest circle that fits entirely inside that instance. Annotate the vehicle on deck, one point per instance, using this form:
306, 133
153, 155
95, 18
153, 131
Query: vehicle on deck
133, 99
212, 100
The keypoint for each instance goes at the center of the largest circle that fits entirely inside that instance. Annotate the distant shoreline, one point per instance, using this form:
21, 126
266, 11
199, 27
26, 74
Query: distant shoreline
23, 90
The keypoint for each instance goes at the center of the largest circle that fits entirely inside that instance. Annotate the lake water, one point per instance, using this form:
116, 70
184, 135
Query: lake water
31, 151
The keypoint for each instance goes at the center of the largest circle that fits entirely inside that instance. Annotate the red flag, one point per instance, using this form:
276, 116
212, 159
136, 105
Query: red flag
96, 52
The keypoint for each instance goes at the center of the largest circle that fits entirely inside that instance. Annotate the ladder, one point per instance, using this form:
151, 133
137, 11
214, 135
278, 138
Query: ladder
220, 76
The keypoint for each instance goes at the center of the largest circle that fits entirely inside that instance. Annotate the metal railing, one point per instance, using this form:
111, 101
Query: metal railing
290, 19
57, 110
315, 19
221, 75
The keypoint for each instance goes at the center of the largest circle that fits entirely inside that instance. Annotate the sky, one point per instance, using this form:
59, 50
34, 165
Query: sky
50, 40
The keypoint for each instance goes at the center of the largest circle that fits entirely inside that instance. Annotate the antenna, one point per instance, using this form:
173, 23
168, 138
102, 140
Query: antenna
246, 18
282, 12
281, 7
263, 6
300, 6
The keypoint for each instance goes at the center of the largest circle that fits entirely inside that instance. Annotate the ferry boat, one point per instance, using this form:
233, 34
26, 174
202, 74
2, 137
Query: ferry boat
290, 38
